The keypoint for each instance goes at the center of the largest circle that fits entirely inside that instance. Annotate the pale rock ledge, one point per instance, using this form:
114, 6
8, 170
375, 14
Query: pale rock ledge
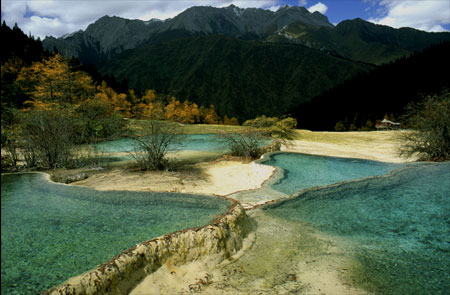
223, 238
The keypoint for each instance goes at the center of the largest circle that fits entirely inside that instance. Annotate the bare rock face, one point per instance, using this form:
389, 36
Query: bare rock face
103, 38
222, 238
237, 22
112, 35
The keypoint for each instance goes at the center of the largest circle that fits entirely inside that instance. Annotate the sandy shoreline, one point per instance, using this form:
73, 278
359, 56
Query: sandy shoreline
226, 176
371, 145
221, 178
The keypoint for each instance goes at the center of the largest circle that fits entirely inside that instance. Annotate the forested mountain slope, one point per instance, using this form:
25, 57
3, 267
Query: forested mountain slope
385, 90
361, 40
241, 78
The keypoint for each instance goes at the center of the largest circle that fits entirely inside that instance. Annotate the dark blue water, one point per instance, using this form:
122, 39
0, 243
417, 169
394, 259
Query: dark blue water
398, 226
50, 232
303, 171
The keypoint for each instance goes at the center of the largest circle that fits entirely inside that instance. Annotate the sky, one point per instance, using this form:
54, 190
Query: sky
42, 18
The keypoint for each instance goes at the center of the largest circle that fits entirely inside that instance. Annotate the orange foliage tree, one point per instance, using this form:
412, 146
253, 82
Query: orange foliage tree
172, 110
209, 115
190, 112
186, 112
230, 121
118, 101
53, 81
149, 106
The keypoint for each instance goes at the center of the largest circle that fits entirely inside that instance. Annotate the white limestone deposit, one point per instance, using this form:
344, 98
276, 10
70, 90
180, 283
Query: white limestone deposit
221, 239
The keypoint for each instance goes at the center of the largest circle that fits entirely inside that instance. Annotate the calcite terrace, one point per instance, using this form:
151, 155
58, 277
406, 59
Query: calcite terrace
222, 238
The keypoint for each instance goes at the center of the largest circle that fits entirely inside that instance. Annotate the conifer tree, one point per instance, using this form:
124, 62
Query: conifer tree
52, 81
117, 100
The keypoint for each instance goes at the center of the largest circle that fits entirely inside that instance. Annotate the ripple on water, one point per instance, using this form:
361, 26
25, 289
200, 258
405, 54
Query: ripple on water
196, 142
304, 171
398, 227
50, 232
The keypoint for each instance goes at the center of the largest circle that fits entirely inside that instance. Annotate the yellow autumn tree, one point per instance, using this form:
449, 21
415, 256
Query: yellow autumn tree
132, 98
173, 110
189, 112
52, 81
230, 121
149, 106
40, 105
118, 101
186, 112
209, 115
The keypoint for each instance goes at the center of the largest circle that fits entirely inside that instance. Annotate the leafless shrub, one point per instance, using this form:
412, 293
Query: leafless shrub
429, 137
152, 147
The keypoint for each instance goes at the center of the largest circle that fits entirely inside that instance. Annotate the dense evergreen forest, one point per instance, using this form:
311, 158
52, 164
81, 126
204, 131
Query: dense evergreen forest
387, 90
242, 78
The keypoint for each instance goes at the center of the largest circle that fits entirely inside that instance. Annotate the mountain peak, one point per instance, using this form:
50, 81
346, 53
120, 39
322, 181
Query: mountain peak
299, 14
284, 7
107, 18
110, 35
238, 22
153, 20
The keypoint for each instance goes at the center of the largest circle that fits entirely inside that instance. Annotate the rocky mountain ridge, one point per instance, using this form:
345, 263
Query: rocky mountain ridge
360, 40
111, 35
352, 39
238, 22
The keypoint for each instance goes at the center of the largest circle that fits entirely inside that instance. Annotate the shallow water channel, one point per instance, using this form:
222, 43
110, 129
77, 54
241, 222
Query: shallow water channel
386, 234
206, 147
195, 142
50, 232
395, 229
343, 226
210, 146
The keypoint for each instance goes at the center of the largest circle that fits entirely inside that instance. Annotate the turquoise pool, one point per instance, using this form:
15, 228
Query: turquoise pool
50, 232
194, 142
304, 171
207, 144
397, 226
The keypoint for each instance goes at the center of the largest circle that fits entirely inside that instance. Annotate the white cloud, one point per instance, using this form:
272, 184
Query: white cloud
302, 2
59, 17
247, 3
428, 15
274, 8
319, 6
